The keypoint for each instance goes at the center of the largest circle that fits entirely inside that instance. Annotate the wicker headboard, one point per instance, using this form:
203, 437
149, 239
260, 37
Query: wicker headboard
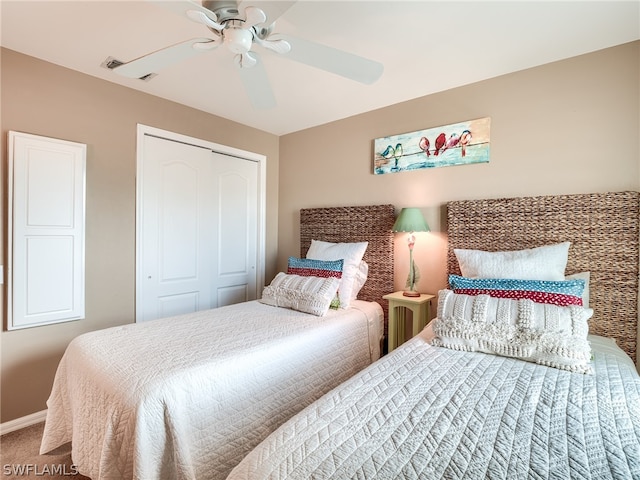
357, 224
604, 233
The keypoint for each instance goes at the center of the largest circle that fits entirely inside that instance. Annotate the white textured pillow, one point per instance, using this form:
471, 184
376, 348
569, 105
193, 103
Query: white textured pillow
351, 253
542, 333
541, 263
305, 294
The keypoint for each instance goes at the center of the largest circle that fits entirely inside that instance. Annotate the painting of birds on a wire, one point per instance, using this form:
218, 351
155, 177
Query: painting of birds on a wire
457, 144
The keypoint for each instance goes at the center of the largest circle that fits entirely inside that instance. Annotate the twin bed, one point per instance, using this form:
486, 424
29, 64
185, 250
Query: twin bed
423, 411
189, 396
431, 412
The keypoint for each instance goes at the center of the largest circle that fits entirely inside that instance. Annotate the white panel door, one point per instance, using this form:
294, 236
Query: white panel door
235, 182
46, 239
177, 229
198, 229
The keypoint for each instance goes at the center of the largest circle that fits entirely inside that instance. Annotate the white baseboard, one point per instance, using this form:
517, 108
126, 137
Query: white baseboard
22, 422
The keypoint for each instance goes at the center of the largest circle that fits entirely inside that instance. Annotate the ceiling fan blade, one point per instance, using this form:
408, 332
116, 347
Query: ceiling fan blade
256, 83
183, 7
333, 60
160, 59
273, 9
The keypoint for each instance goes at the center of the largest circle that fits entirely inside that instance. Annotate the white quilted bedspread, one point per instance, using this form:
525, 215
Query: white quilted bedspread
434, 413
187, 397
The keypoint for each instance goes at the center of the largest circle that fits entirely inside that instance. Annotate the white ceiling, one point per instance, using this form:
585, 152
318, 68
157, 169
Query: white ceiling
425, 46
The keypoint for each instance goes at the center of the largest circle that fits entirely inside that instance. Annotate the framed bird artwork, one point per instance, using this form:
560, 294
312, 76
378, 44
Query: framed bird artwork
457, 144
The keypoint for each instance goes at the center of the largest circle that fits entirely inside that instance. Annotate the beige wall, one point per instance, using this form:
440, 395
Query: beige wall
562, 128
44, 99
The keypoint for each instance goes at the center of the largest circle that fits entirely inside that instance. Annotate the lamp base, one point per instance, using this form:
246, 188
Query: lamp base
410, 293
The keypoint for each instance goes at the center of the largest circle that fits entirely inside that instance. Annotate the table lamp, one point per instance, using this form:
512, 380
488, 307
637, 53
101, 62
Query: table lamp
411, 220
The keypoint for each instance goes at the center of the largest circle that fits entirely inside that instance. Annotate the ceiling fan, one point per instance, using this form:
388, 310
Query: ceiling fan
241, 33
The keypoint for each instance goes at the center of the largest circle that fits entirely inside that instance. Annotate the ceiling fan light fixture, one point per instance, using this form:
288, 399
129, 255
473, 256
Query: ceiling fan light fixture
238, 40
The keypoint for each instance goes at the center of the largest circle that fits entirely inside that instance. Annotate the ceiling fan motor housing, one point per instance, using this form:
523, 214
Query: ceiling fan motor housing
224, 9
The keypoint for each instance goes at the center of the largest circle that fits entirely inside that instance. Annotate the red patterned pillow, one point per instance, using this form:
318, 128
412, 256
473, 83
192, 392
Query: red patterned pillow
554, 292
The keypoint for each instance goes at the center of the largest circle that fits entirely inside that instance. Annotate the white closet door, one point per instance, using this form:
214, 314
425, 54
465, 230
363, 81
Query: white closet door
177, 233
47, 203
198, 229
235, 182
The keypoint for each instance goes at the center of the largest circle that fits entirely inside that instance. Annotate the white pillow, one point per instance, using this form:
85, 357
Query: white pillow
547, 334
305, 294
541, 263
351, 253
360, 279
605, 345
585, 293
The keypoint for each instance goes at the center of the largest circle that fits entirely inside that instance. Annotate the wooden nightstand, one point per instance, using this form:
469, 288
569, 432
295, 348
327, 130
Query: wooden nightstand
398, 303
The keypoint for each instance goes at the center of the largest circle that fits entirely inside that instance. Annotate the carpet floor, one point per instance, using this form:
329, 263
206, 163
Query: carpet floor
20, 458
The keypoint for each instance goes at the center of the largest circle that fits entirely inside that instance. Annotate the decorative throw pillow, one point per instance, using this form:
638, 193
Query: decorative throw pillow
555, 292
546, 334
307, 267
305, 294
586, 276
351, 253
541, 263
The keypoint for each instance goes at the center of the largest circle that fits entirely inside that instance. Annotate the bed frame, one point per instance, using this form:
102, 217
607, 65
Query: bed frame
357, 224
604, 232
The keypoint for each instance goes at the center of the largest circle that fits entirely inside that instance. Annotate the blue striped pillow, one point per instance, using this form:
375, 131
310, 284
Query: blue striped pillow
308, 267
554, 292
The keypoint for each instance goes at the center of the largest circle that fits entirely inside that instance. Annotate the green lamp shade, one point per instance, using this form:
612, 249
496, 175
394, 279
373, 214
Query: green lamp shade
410, 220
